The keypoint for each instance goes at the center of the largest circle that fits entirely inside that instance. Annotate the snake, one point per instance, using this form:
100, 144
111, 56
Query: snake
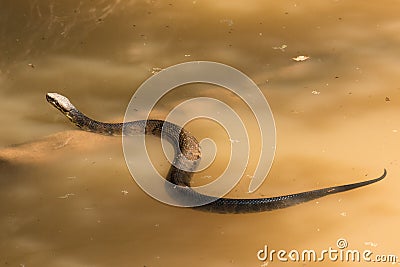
186, 159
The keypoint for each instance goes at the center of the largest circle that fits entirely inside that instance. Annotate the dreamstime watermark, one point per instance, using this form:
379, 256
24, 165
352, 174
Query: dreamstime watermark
339, 254
153, 89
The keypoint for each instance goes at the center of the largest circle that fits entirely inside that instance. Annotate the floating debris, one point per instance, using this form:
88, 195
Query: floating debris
300, 58
67, 195
156, 70
187, 55
31, 65
315, 92
387, 98
282, 47
344, 214
124, 192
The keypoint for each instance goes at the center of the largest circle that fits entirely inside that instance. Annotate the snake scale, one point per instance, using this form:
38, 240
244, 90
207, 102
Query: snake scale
186, 159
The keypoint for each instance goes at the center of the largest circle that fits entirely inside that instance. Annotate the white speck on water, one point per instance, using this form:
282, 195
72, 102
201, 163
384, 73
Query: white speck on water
124, 192
315, 92
155, 70
344, 214
300, 58
67, 195
282, 47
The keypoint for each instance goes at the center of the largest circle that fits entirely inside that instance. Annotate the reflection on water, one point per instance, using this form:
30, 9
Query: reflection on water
67, 198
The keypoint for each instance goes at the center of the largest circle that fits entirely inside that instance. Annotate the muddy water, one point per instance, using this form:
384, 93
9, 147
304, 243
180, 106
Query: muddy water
67, 198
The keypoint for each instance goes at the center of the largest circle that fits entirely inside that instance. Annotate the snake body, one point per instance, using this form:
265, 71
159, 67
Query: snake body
186, 159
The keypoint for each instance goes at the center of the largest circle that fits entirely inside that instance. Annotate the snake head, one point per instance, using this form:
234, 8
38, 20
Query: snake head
60, 102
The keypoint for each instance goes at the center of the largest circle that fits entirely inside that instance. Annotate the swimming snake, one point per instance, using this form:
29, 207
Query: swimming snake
186, 160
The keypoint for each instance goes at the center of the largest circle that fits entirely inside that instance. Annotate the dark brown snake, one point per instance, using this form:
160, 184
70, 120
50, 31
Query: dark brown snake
187, 156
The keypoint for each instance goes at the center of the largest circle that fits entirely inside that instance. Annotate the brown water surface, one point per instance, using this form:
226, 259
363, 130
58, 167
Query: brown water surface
67, 197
